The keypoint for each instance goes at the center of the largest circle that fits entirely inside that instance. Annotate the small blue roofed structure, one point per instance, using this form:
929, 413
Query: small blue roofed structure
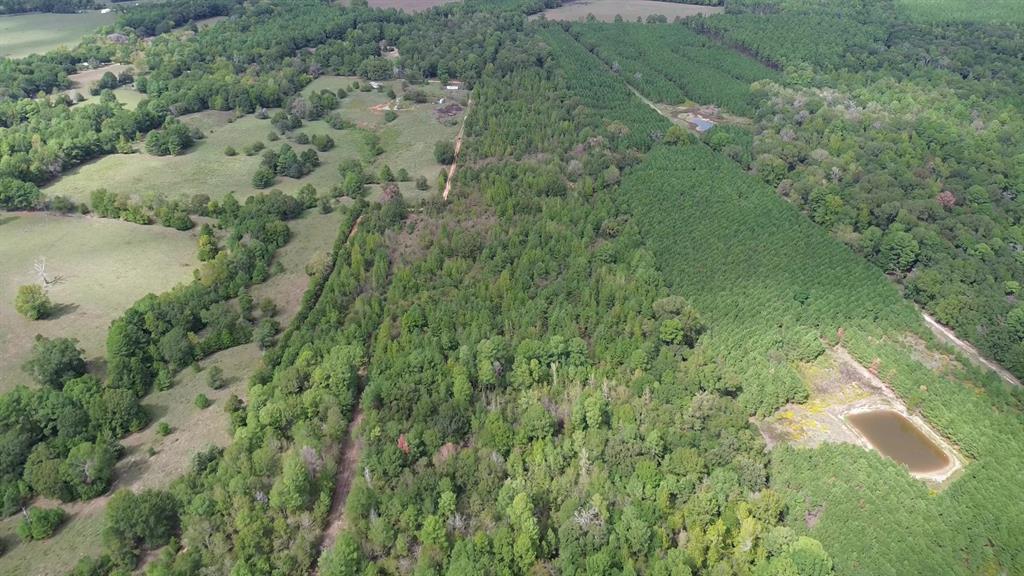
702, 124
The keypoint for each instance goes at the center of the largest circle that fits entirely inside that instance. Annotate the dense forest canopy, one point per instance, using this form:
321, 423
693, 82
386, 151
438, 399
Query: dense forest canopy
559, 366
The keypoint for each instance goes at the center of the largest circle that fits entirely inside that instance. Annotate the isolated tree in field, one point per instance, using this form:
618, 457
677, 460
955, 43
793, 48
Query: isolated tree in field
421, 183
55, 361
32, 302
444, 152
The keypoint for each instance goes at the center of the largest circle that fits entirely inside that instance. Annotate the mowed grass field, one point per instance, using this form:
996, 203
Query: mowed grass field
607, 10
192, 431
104, 266
25, 34
986, 11
408, 143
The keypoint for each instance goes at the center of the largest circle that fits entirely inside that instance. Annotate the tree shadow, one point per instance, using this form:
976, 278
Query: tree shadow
6, 219
156, 412
60, 310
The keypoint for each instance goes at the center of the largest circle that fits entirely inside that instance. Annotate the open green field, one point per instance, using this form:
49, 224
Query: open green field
193, 430
104, 266
25, 34
408, 143
988, 11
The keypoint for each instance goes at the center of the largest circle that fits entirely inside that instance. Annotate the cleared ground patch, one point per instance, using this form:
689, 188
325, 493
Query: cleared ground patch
193, 430
607, 10
103, 267
408, 143
25, 34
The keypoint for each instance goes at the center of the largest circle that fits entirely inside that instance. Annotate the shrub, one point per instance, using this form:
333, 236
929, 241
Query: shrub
40, 523
390, 115
163, 429
444, 152
421, 183
202, 402
32, 302
230, 151
215, 378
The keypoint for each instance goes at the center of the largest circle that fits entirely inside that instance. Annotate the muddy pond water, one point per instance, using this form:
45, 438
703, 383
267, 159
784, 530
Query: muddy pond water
895, 436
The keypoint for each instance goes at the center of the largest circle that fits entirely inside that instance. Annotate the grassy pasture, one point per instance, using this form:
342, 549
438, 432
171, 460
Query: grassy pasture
193, 430
105, 265
607, 10
408, 143
312, 238
25, 34
987, 11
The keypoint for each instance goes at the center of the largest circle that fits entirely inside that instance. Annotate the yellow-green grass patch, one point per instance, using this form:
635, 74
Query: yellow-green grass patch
25, 34
101, 266
193, 430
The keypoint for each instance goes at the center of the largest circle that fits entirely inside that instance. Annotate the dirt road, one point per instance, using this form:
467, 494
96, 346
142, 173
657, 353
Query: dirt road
948, 336
351, 450
458, 147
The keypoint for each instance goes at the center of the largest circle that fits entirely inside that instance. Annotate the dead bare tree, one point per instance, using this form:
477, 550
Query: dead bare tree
40, 268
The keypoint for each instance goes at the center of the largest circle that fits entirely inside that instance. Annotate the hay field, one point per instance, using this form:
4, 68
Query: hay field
25, 34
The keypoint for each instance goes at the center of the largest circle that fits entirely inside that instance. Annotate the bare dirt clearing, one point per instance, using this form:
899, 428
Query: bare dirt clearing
607, 10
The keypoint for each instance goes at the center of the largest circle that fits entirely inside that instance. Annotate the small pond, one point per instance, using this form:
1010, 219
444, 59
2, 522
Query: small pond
895, 436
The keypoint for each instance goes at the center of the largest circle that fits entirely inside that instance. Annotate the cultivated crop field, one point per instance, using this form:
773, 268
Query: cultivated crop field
24, 34
607, 10
103, 266
407, 141
192, 430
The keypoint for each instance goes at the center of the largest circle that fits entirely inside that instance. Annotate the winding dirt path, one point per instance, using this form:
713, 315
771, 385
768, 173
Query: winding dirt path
458, 147
975, 356
351, 450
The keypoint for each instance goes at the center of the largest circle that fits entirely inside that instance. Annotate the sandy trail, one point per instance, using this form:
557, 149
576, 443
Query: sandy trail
458, 147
